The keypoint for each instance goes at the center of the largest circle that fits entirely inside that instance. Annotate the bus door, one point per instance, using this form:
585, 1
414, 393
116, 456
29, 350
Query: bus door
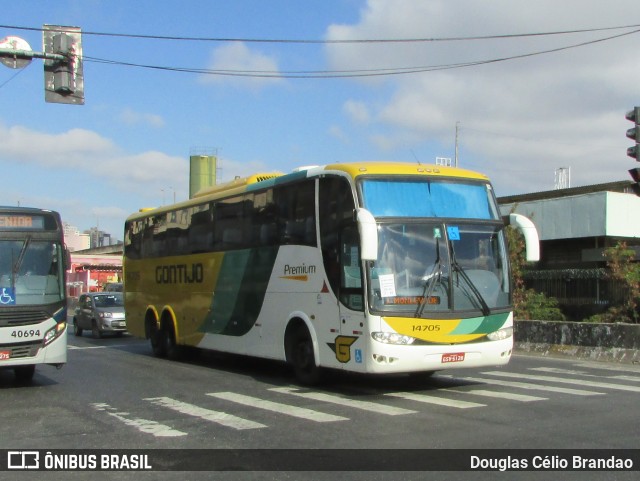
351, 299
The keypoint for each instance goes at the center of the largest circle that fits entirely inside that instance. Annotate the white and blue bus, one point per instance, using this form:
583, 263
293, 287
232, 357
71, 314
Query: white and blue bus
33, 307
367, 267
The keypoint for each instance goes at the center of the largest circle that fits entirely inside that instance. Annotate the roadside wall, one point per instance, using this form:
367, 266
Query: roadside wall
598, 342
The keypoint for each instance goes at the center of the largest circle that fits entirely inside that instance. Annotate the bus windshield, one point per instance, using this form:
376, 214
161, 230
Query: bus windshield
426, 197
425, 267
31, 272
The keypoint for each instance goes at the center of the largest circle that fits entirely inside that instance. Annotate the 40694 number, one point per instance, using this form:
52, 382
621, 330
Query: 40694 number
25, 333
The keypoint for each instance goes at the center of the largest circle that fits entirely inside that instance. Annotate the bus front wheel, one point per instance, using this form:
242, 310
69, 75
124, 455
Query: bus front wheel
24, 373
302, 358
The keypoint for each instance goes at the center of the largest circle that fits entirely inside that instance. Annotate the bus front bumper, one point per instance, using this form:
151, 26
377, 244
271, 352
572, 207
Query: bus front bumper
387, 358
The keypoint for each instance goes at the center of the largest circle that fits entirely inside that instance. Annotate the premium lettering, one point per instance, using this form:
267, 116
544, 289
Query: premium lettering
298, 270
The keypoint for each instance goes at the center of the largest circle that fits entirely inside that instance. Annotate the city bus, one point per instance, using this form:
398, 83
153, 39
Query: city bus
33, 307
365, 267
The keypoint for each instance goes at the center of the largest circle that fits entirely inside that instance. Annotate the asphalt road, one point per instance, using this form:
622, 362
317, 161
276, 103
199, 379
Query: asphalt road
113, 394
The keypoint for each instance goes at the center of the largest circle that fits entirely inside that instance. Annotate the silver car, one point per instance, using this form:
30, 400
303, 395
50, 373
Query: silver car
100, 312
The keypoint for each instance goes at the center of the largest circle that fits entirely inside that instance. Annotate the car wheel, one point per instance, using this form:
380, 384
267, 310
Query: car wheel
77, 330
95, 330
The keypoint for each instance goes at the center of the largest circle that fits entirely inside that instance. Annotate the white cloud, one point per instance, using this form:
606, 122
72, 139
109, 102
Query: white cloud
131, 117
519, 119
357, 111
236, 62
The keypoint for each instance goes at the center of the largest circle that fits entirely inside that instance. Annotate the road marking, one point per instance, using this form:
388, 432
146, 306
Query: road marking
79, 348
218, 417
556, 370
530, 386
617, 367
143, 425
499, 395
424, 398
287, 409
563, 380
583, 373
82, 348
352, 403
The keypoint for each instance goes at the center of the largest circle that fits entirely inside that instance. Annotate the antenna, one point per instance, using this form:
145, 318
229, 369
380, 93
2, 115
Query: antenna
562, 178
456, 156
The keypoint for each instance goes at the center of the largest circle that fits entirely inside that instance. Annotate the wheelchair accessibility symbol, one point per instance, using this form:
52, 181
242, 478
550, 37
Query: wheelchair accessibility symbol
7, 297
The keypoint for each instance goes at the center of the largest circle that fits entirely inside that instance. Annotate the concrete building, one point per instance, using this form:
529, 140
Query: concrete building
575, 226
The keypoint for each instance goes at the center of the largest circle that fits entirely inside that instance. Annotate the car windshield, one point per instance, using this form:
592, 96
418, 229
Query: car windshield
424, 267
111, 300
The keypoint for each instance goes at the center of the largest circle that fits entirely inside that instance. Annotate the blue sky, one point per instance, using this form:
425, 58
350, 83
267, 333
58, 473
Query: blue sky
128, 146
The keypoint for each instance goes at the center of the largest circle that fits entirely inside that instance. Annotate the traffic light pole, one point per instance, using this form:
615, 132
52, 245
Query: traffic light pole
63, 71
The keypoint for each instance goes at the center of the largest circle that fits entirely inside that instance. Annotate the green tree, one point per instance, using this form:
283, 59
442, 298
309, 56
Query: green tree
527, 303
622, 268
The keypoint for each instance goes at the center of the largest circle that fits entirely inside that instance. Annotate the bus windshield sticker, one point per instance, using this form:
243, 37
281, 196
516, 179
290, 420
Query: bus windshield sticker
453, 232
7, 297
387, 285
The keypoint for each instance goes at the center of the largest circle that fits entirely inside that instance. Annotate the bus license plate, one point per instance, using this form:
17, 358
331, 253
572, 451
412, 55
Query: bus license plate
453, 357
4, 355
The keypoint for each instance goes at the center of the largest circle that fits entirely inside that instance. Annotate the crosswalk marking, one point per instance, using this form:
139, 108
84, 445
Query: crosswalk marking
207, 414
342, 401
424, 398
143, 425
585, 374
499, 395
530, 386
288, 409
563, 380
626, 378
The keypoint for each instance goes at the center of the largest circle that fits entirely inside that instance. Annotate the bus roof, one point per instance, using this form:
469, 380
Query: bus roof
354, 170
357, 169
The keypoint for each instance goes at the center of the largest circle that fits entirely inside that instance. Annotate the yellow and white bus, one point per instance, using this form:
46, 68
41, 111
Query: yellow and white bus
367, 267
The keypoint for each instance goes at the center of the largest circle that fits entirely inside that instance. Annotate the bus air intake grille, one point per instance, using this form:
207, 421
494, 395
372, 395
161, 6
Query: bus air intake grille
22, 350
11, 317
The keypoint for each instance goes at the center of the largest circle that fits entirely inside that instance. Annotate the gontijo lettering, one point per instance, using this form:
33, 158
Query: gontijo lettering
180, 274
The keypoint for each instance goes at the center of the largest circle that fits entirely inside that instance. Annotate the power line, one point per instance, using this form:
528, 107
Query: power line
343, 41
326, 74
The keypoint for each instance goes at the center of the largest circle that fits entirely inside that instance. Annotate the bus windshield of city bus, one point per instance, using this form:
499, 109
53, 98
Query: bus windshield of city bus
440, 247
31, 272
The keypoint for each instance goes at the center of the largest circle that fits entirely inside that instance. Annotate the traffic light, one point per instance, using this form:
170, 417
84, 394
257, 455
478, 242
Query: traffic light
635, 175
63, 73
634, 133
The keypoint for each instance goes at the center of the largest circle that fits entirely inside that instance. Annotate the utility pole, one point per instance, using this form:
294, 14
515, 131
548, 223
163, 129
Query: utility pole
63, 72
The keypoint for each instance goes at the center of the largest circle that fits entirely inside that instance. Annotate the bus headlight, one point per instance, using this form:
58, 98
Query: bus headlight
501, 334
392, 338
54, 333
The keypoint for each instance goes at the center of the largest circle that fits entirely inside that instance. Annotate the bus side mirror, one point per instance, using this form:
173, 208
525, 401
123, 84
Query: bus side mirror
368, 235
531, 239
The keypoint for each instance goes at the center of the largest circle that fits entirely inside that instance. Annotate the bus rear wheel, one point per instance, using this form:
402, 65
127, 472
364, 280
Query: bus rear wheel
302, 358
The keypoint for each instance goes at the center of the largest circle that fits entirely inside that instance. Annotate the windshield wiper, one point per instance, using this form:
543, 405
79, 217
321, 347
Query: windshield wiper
460, 270
429, 285
23, 251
